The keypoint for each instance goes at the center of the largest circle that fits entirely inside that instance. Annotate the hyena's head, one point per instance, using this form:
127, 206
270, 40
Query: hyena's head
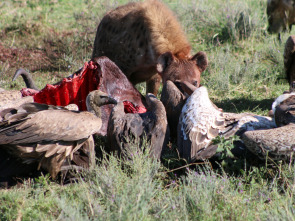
173, 67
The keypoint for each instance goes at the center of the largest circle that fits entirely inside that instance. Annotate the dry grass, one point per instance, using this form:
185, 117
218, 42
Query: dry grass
245, 74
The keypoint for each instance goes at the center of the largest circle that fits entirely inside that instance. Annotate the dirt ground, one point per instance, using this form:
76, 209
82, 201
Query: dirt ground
31, 59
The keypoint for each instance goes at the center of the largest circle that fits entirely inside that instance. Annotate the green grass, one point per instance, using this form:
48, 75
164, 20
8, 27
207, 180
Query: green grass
142, 189
245, 73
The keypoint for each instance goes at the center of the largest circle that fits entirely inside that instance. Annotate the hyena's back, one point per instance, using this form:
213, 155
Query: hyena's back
136, 34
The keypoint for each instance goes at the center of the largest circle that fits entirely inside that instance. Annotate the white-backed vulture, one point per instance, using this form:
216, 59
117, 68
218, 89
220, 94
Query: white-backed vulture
276, 144
50, 135
201, 121
173, 99
283, 109
150, 126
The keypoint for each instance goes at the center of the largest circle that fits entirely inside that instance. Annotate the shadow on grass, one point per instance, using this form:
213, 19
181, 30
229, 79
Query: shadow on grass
238, 105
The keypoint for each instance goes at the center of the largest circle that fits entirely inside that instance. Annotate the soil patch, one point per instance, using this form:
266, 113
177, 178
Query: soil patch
31, 59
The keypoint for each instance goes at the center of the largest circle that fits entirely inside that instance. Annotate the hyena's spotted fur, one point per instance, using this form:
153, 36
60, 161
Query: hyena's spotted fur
145, 38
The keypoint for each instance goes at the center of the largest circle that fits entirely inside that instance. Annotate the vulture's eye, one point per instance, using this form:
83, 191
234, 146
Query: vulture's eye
195, 83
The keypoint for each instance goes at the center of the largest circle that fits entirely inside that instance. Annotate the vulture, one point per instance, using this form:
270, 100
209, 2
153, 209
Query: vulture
50, 137
277, 143
283, 109
150, 126
201, 121
173, 97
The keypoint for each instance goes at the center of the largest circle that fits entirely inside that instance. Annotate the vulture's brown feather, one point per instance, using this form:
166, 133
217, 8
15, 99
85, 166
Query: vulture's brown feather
284, 109
151, 126
173, 98
51, 135
277, 143
201, 121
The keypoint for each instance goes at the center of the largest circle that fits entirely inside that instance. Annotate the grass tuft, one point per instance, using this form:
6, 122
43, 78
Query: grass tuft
52, 39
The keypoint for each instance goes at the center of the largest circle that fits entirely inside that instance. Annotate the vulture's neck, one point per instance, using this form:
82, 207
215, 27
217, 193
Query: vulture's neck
95, 109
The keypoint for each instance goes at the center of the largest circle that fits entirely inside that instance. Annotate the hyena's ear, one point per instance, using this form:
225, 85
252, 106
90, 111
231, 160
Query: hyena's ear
164, 61
201, 60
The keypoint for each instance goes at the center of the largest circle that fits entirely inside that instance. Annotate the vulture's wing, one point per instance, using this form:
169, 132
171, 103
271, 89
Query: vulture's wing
277, 143
47, 125
199, 123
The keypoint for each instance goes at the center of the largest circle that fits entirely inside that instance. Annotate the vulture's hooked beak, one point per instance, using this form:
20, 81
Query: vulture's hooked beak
111, 100
187, 87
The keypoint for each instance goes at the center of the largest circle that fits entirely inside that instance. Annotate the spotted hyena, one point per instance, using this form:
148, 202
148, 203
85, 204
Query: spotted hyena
147, 43
281, 15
